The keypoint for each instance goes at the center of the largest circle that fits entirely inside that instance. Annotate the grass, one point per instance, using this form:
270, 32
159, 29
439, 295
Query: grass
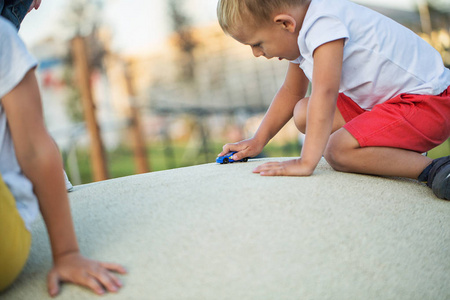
442, 150
121, 163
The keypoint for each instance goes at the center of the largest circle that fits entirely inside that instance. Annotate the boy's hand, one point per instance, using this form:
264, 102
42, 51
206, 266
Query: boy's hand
246, 148
286, 168
75, 268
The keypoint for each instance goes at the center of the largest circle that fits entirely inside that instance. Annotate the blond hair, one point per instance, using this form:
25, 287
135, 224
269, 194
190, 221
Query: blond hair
232, 13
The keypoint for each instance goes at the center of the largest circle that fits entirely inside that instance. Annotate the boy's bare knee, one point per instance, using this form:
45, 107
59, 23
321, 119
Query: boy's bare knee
334, 159
300, 114
336, 155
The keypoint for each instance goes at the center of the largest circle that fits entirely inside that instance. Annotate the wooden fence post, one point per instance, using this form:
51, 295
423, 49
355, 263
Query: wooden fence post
98, 157
137, 133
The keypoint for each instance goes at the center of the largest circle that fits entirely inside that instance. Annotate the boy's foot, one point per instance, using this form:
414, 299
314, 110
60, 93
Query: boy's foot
439, 177
69, 186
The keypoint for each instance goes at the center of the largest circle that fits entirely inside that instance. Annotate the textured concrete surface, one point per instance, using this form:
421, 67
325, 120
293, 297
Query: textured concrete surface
220, 232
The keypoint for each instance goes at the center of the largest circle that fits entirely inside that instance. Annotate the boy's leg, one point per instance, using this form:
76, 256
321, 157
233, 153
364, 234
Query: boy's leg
300, 113
374, 142
15, 239
345, 154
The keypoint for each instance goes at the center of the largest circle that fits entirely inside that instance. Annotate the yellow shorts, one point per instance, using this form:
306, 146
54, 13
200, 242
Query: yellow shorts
15, 241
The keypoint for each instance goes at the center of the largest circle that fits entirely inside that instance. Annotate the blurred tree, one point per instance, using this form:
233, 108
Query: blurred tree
80, 23
82, 19
184, 39
82, 16
439, 14
73, 105
435, 21
441, 5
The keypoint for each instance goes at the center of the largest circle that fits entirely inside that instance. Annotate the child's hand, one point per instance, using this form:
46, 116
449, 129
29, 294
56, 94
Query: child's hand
245, 148
286, 168
75, 268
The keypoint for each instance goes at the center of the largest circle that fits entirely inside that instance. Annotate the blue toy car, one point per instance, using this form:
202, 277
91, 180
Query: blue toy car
227, 158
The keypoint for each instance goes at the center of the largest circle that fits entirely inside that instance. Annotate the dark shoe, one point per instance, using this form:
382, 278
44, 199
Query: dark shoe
439, 177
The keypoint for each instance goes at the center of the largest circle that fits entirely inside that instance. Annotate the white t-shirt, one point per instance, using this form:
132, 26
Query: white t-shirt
381, 57
15, 62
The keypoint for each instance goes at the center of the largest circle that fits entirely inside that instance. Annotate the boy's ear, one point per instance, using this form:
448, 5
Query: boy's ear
286, 21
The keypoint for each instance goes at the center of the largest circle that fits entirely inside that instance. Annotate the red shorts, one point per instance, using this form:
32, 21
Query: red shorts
413, 122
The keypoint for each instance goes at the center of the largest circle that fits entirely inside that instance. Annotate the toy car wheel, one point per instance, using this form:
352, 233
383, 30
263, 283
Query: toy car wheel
245, 159
225, 160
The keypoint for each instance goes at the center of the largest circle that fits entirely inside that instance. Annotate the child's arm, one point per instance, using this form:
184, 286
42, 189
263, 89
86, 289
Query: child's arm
321, 108
40, 161
279, 113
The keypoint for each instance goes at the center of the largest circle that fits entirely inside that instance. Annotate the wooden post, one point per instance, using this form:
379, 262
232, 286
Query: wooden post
137, 133
98, 160
425, 18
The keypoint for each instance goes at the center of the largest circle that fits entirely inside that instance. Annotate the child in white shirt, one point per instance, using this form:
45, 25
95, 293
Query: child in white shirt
380, 94
32, 178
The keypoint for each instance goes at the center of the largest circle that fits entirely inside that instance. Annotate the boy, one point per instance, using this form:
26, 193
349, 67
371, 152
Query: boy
390, 89
31, 173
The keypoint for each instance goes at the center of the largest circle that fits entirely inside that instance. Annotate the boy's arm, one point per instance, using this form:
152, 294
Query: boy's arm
40, 161
281, 109
279, 113
321, 108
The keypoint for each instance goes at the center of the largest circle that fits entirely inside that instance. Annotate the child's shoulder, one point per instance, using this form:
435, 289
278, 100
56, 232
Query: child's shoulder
15, 59
337, 8
6, 27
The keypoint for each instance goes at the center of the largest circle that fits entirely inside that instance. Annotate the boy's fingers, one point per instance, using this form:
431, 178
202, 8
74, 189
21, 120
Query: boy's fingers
241, 154
53, 284
115, 280
265, 167
240, 148
222, 153
108, 280
259, 168
238, 156
92, 283
114, 267
225, 150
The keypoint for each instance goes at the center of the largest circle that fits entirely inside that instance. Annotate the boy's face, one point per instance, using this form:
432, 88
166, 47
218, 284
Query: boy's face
270, 41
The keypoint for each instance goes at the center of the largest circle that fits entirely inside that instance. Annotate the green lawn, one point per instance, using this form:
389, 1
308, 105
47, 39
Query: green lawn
121, 163
442, 150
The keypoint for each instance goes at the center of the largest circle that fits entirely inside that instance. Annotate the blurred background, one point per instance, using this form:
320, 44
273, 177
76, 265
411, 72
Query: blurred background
132, 86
